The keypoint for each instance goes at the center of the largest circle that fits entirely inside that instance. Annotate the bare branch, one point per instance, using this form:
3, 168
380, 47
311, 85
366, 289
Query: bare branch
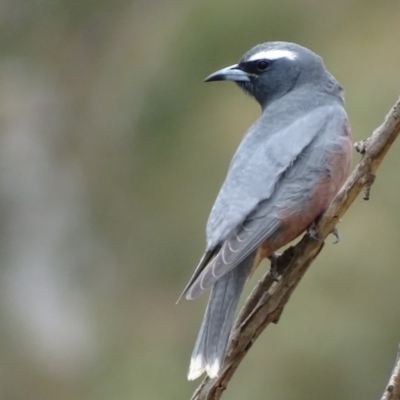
392, 390
268, 299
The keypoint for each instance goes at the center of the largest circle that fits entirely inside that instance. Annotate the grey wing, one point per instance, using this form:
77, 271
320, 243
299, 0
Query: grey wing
205, 260
252, 232
259, 163
309, 164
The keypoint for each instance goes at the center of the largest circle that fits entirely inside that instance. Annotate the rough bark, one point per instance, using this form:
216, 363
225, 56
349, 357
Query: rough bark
392, 390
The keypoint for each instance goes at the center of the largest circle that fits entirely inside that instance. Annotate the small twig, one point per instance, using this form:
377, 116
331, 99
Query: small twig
368, 182
267, 300
392, 390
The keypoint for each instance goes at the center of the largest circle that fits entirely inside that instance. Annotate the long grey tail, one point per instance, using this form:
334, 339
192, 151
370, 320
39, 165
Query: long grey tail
212, 340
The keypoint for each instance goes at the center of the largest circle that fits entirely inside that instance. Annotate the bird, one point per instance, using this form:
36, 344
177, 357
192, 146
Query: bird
286, 171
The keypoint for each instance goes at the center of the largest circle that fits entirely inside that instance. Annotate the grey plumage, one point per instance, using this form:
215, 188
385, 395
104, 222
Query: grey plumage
212, 339
272, 178
268, 149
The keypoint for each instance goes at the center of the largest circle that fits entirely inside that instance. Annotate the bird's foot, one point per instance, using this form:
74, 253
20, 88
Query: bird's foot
314, 235
312, 232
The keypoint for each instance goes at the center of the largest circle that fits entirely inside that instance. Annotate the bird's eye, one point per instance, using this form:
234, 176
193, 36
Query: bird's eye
262, 65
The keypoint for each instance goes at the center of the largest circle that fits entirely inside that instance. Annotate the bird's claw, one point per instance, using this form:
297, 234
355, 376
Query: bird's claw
335, 233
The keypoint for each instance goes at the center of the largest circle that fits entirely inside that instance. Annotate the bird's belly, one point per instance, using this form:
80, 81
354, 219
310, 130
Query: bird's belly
301, 205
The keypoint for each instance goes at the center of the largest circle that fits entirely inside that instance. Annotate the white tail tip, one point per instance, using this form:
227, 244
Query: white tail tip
196, 368
212, 370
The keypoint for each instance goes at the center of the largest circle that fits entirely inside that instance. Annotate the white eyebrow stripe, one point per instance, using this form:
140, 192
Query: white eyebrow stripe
273, 55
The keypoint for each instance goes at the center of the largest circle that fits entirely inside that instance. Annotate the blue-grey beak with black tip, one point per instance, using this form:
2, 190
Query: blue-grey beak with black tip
270, 70
232, 73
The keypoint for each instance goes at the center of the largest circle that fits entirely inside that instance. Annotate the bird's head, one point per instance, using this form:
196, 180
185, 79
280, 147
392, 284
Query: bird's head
270, 70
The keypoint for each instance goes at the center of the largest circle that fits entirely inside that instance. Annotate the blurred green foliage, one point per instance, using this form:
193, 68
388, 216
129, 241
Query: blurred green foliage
112, 152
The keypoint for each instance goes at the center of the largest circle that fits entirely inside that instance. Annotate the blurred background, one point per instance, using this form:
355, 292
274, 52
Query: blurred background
112, 151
